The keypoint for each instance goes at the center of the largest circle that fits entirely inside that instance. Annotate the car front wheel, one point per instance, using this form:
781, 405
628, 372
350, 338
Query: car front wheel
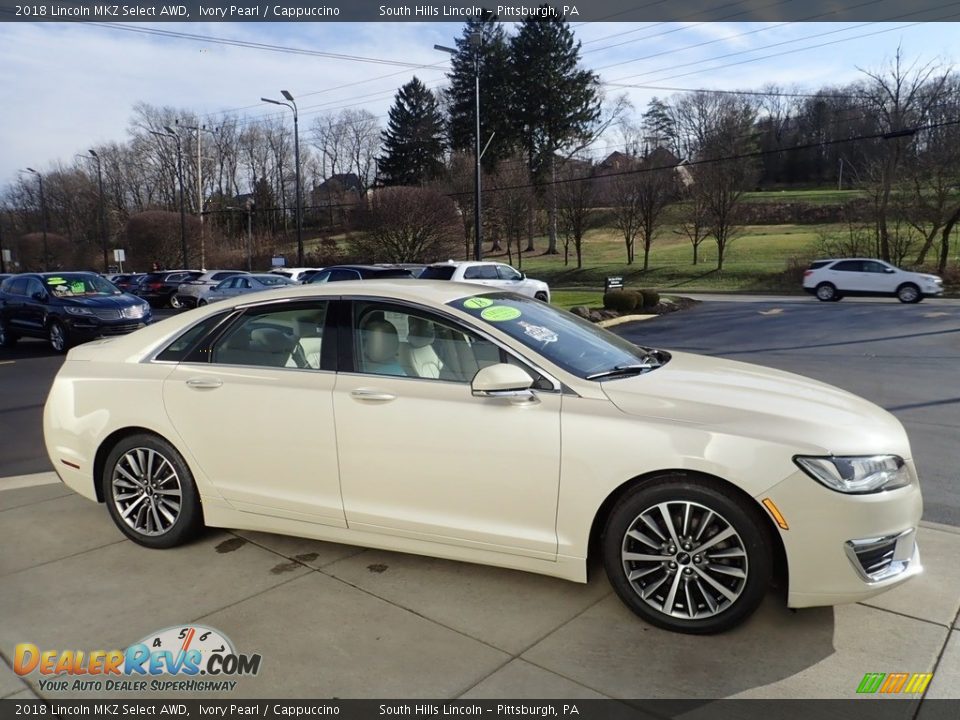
175, 303
687, 554
150, 492
909, 293
58, 337
541, 296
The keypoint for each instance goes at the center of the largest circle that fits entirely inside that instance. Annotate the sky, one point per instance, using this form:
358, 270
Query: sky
71, 86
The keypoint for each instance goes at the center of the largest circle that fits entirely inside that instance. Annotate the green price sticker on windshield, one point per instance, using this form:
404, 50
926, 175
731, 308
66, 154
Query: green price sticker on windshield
77, 287
500, 313
477, 303
56, 281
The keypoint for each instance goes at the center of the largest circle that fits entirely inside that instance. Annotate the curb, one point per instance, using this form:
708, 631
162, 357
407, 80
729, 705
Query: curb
625, 319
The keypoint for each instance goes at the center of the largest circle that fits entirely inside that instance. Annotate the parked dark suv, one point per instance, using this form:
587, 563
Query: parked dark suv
66, 309
158, 288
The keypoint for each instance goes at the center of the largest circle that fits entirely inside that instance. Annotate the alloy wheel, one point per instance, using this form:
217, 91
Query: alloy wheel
58, 337
685, 560
907, 294
826, 292
147, 492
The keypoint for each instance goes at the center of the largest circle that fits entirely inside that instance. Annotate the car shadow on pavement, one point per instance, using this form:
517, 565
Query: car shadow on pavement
27, 348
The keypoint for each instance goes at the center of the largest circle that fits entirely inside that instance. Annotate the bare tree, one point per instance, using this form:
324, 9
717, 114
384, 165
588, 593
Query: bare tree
900, 98
408, 224
574, 198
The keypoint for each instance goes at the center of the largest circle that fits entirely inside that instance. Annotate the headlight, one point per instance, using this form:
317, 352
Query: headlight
78, 311
856, 474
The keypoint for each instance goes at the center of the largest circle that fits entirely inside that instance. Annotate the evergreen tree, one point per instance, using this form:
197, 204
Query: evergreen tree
413, 141
554, 103
493, 56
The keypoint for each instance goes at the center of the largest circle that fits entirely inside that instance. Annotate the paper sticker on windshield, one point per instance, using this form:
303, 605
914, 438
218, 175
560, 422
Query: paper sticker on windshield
539, 333
56, 281
500, 313
477, 303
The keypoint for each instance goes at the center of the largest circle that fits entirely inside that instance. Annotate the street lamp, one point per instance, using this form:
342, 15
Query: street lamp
103, 221
296, 159
476, 39
43, 221
183, 217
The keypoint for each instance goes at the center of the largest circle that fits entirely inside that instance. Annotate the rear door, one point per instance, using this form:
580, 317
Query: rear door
12, 310
848, 276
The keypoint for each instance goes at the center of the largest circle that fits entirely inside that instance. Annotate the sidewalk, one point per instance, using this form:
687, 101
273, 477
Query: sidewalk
338, 621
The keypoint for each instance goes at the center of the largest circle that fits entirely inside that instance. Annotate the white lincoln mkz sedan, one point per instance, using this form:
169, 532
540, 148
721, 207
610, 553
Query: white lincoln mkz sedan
425, 417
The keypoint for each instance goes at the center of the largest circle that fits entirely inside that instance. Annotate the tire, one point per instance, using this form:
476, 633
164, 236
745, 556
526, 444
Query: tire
144, 472
909, 293
175, 302
201, 302
684, 578
541, 296
827, 292
7, 339
58, 336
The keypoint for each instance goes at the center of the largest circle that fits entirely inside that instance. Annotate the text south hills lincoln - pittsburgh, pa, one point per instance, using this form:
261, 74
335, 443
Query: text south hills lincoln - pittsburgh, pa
456, 11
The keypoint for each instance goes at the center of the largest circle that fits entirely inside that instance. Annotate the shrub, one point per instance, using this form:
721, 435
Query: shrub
623, 301
648, 298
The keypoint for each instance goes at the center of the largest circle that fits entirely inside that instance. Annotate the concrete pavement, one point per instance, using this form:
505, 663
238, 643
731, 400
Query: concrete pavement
340, 621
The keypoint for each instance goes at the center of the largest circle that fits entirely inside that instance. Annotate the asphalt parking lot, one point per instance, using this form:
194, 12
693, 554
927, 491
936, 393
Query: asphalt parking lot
331, 620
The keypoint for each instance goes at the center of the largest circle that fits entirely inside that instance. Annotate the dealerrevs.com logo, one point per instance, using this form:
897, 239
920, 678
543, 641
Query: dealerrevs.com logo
192, 658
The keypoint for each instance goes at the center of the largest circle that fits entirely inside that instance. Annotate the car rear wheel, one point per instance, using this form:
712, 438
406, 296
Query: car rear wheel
827, 292
687, 554
7, 338
175, 302
201, 302
58, 336
909, 293
541, 296
150, 492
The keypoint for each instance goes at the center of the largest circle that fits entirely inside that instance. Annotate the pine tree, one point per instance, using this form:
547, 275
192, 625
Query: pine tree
413, 141
493, 56
554, 103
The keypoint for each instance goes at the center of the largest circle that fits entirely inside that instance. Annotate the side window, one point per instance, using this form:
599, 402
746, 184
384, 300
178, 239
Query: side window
180, 348
404, 342
874, 267
508, 273
343, 274
321, 277
848, 266
18, 286
287, 338
480, 272
244, 283
34, 286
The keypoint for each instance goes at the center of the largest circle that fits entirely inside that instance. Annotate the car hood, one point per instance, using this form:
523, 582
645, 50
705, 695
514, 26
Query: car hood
104, 301
746, 399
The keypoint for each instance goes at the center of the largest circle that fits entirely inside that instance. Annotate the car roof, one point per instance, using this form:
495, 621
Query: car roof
465, 263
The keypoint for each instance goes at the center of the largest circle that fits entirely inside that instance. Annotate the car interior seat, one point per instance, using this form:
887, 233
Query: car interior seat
379, 347
417, 355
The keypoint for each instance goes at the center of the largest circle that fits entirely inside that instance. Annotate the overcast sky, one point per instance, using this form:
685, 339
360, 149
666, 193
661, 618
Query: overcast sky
69, 86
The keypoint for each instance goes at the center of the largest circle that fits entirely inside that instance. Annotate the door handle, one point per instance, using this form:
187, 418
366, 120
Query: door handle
372, 395
204, 383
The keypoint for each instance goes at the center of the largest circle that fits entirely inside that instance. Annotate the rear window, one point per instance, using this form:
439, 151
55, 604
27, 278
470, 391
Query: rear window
437, 272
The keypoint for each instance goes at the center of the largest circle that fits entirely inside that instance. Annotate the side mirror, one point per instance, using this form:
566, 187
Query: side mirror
502, 380
523, 276
40, 296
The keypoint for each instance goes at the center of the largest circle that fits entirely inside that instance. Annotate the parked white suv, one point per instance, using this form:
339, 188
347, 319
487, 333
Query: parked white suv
831, 280
493, 274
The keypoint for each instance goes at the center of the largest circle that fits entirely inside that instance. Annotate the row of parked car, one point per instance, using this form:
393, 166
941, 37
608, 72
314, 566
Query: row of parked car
67, 308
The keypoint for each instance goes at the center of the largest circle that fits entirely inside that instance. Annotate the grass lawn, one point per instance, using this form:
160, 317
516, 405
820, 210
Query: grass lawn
811, 197
754, 261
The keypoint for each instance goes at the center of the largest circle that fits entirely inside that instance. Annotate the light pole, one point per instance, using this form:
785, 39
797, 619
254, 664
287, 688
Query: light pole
476, 39
183, 217
296, 159
103, 221
200, 130
43, 221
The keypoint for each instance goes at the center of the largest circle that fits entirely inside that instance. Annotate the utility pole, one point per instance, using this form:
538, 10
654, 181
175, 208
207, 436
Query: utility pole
103, 218
291, 103
200, 130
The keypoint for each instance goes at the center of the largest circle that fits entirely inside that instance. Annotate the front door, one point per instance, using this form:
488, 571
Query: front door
272, 376
421, 457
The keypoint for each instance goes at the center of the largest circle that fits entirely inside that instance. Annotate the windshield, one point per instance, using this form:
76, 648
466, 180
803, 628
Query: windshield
574, 344
74, 285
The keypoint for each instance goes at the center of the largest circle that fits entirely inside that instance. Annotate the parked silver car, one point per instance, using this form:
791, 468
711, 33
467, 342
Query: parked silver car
190, 293
243, 284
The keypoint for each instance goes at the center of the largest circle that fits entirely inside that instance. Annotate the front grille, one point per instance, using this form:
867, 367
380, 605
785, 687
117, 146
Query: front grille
120, 329
106, 313
877, 559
